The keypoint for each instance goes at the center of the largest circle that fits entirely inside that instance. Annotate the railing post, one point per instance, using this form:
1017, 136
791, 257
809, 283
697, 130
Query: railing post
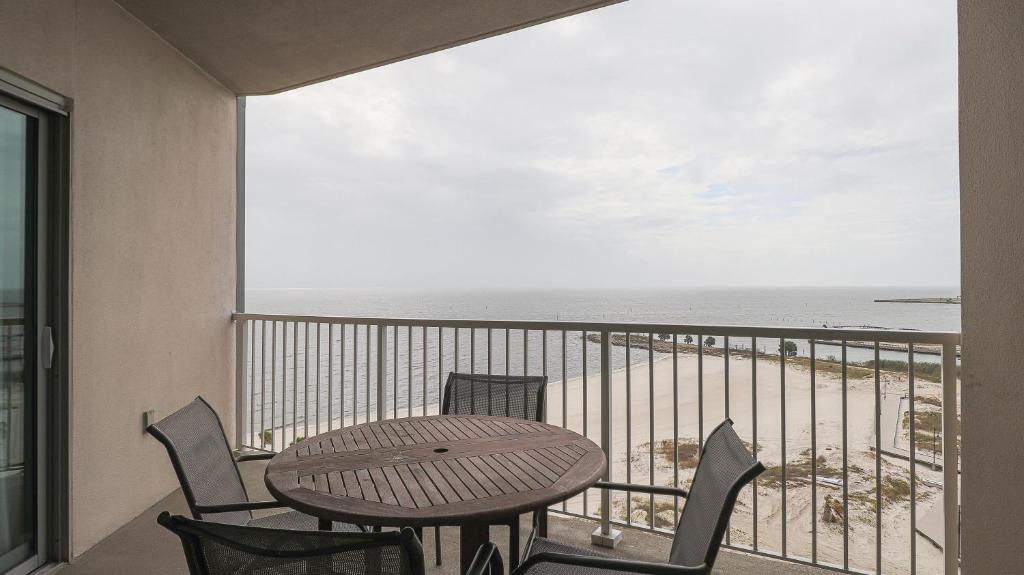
950, 462
240, 365
382, 363
604, 535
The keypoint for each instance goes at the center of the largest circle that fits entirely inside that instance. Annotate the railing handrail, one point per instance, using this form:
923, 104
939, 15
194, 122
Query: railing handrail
839, 334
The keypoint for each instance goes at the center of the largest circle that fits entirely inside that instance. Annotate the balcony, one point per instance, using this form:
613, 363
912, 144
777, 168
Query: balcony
834, 414
143, 542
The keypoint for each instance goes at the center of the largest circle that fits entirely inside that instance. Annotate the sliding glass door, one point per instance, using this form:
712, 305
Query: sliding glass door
22, 515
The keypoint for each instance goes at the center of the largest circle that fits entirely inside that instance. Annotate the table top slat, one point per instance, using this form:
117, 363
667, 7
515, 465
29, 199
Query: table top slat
442, 483
336, 484
360, 439
366, 485
427, 485
459, 472
516, 469
398, 487
454, 430
553, 463
352, 486
529, 462
415, 490
383, 486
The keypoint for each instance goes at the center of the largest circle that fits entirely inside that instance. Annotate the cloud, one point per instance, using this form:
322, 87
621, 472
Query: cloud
651, 143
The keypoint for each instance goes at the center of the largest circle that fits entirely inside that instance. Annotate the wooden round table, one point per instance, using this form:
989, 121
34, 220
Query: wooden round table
466, 470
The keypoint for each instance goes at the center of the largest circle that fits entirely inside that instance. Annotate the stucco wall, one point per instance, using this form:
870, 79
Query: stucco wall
992, 230
153, 261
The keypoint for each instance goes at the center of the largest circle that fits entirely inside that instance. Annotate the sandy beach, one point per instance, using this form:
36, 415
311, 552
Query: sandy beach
681, 378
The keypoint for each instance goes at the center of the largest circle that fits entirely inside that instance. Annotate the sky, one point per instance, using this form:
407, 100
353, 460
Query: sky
650, 144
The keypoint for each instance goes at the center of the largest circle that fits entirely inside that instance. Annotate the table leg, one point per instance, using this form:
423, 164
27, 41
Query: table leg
325, 524
471, 537
513, 543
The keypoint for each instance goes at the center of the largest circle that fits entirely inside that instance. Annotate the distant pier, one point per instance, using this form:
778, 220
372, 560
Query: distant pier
948, 300
920, 348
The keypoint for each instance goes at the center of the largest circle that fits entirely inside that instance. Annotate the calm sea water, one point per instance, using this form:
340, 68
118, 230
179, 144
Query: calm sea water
794, 307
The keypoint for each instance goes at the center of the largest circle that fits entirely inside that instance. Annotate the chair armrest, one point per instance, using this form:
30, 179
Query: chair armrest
487, 561
246, 506
253, 454
642, 567
652, 489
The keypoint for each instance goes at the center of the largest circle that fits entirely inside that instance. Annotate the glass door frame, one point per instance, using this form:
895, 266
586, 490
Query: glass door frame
47, 261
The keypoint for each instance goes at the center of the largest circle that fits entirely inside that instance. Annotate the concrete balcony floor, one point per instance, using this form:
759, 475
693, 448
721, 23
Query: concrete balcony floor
142, 546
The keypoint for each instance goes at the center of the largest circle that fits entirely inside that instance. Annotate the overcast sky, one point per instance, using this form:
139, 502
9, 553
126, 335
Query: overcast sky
655, 143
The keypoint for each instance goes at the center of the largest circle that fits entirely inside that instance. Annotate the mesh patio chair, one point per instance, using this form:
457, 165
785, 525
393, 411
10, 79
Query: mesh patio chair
725, 467
516, 396
208, 472
221, 549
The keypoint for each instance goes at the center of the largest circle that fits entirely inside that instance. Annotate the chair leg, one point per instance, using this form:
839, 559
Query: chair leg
542, 522
513, 543
437, 545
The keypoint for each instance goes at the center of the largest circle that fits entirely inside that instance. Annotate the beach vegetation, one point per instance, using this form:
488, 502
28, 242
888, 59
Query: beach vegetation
688, 340
923, 370
688, 451
664, 511
664, 336
894, 490
799, 470
268, 437
709, 341
298, 439
789, 348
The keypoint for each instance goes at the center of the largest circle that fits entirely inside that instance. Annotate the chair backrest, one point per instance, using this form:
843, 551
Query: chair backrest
725, 466
202, 459
221, 549
505, 395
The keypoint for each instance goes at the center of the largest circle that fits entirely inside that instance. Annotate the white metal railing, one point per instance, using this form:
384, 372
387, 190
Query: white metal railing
852, 424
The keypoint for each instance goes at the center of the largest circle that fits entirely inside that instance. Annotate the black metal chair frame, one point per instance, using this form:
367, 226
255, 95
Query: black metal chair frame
651, 568
193, 531
540, 516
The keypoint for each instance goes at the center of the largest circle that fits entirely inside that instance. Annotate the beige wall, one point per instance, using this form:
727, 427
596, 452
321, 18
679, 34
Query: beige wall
992, 229
153, 270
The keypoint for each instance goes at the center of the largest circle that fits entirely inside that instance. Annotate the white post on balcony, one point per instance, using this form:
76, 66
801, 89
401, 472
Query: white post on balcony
950, 462
604, 535
240, 392
382, 363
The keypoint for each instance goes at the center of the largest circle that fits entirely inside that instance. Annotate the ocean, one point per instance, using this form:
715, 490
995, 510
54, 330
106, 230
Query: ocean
791, 307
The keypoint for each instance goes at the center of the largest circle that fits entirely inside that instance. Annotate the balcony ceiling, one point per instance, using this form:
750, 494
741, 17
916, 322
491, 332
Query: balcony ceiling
267, 46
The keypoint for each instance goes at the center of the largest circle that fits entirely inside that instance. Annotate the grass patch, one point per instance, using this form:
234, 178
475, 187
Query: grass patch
927, 421
894, 490
797, 471
664, 512
923, 370
687, 449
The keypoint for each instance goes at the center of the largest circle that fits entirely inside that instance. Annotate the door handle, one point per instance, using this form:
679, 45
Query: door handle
47, 347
